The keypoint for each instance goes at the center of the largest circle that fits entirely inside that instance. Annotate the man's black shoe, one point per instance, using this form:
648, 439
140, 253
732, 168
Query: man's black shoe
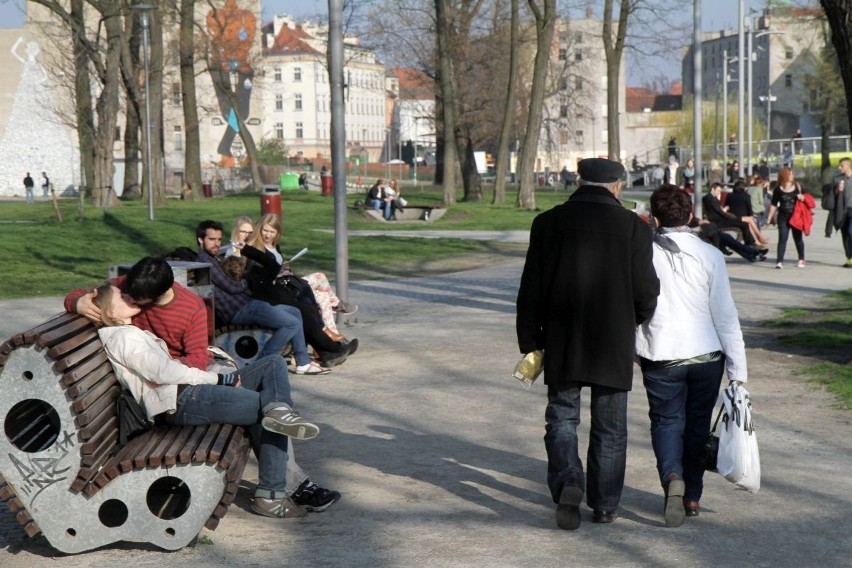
604, 516
333, 358
313, 497
568, 509
726, 251
351, 346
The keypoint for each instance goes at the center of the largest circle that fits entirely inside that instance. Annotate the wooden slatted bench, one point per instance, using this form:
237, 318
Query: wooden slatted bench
61, 470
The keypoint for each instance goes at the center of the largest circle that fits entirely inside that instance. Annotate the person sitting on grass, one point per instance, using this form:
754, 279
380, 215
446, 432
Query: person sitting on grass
257, 396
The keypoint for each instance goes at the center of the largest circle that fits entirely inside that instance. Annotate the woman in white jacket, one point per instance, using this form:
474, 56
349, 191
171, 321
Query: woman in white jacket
693, 337
169, 391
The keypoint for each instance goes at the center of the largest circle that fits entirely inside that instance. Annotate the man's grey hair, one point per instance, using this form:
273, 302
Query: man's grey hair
608, 186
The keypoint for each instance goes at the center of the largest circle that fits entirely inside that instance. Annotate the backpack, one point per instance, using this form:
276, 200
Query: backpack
183, 253
132, 420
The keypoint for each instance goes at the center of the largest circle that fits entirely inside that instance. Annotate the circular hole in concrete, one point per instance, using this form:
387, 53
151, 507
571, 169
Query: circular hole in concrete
32, 425
28, 375
71, 532
170, 531
113, 513
168, 498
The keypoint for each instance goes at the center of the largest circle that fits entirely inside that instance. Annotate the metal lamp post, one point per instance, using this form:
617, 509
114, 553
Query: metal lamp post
143, 9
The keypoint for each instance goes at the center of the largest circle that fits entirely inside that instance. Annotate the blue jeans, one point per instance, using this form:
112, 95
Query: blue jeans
380, 204
265, 386
607, 454
681, 401
286, 323
784, 230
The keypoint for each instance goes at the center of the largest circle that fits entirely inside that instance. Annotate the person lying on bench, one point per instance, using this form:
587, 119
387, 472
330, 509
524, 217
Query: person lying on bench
257, 396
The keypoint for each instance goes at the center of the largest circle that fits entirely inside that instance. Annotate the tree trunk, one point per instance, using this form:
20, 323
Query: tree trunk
131, 151
470, 173
614, 50
131, 73
501, 157
83, 97
107, 101
192, 147
545, 22
839, 13
447, 94
155, 83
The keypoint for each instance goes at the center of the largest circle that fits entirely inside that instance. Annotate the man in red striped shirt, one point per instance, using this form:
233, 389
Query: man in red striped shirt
169, 311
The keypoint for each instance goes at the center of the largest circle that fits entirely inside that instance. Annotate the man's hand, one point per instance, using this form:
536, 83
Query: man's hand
87, 308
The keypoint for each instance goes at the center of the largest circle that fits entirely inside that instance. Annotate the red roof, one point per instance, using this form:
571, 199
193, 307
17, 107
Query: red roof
414, 84
289, 41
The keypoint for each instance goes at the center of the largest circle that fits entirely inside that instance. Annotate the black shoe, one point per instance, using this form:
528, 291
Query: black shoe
726, 251
351, 346
568, 509
333, 358
604, 516
314, 498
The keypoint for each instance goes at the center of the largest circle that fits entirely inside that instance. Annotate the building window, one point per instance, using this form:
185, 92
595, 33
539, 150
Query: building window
563, 54
118, 134
563, 84
279, 102
176, 93
789, 53
298, 101
578, 83
563, 111
578, 135
578, 56
788, 81
563, 137
299, 131
277, 74
297, 74
279, 130
178, 138
578, 37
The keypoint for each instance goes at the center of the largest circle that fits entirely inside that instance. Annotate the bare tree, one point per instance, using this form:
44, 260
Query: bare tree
447, 96
189, 100
614, 50
545, 22
500, 159
839, 14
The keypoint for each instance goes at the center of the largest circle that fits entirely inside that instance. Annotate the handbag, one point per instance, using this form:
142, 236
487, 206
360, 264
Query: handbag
132, 420
711, 444
738, 460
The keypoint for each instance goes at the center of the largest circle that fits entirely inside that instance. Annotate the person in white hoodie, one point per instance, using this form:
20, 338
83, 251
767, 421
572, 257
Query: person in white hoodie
693, 337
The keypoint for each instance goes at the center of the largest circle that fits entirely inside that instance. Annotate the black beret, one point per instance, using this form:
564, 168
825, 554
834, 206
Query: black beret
600, 170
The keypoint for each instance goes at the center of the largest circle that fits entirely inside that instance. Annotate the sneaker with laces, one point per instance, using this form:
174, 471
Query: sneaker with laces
284, 420
312, 368
801, 263
314, 498
278, 508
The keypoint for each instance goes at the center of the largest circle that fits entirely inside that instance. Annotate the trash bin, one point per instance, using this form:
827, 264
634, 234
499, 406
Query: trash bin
207, 188
327, 183
270, 200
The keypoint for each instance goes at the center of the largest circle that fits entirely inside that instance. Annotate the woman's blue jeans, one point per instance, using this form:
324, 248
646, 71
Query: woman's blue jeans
286, 323
380, 205
681, 401
264, 385
607, 454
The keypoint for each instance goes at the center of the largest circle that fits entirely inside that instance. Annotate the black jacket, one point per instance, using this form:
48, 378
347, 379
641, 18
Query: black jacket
588, 281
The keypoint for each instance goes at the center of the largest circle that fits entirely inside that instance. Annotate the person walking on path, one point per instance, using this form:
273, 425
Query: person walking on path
843, 207
28, 188
45, 185
587, 282
693, 336
783, 202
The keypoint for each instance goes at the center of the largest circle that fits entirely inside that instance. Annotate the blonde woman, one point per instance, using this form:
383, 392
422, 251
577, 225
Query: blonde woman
240, 235
316, 300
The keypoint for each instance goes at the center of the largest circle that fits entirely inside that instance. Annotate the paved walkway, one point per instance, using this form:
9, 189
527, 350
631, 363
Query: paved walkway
439, 455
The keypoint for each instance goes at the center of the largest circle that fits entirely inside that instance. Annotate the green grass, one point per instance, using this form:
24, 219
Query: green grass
44, 257
824, 331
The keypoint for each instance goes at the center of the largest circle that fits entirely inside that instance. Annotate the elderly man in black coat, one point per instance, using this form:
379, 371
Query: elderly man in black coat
588, 281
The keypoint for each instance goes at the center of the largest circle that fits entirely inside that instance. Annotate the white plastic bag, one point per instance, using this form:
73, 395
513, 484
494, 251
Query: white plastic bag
739, 458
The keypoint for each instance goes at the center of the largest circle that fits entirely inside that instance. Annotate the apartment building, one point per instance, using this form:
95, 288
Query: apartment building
785, 43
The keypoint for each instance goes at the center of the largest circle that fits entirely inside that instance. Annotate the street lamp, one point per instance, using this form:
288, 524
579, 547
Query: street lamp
751, 57
143, 9
768, 99
725, 60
